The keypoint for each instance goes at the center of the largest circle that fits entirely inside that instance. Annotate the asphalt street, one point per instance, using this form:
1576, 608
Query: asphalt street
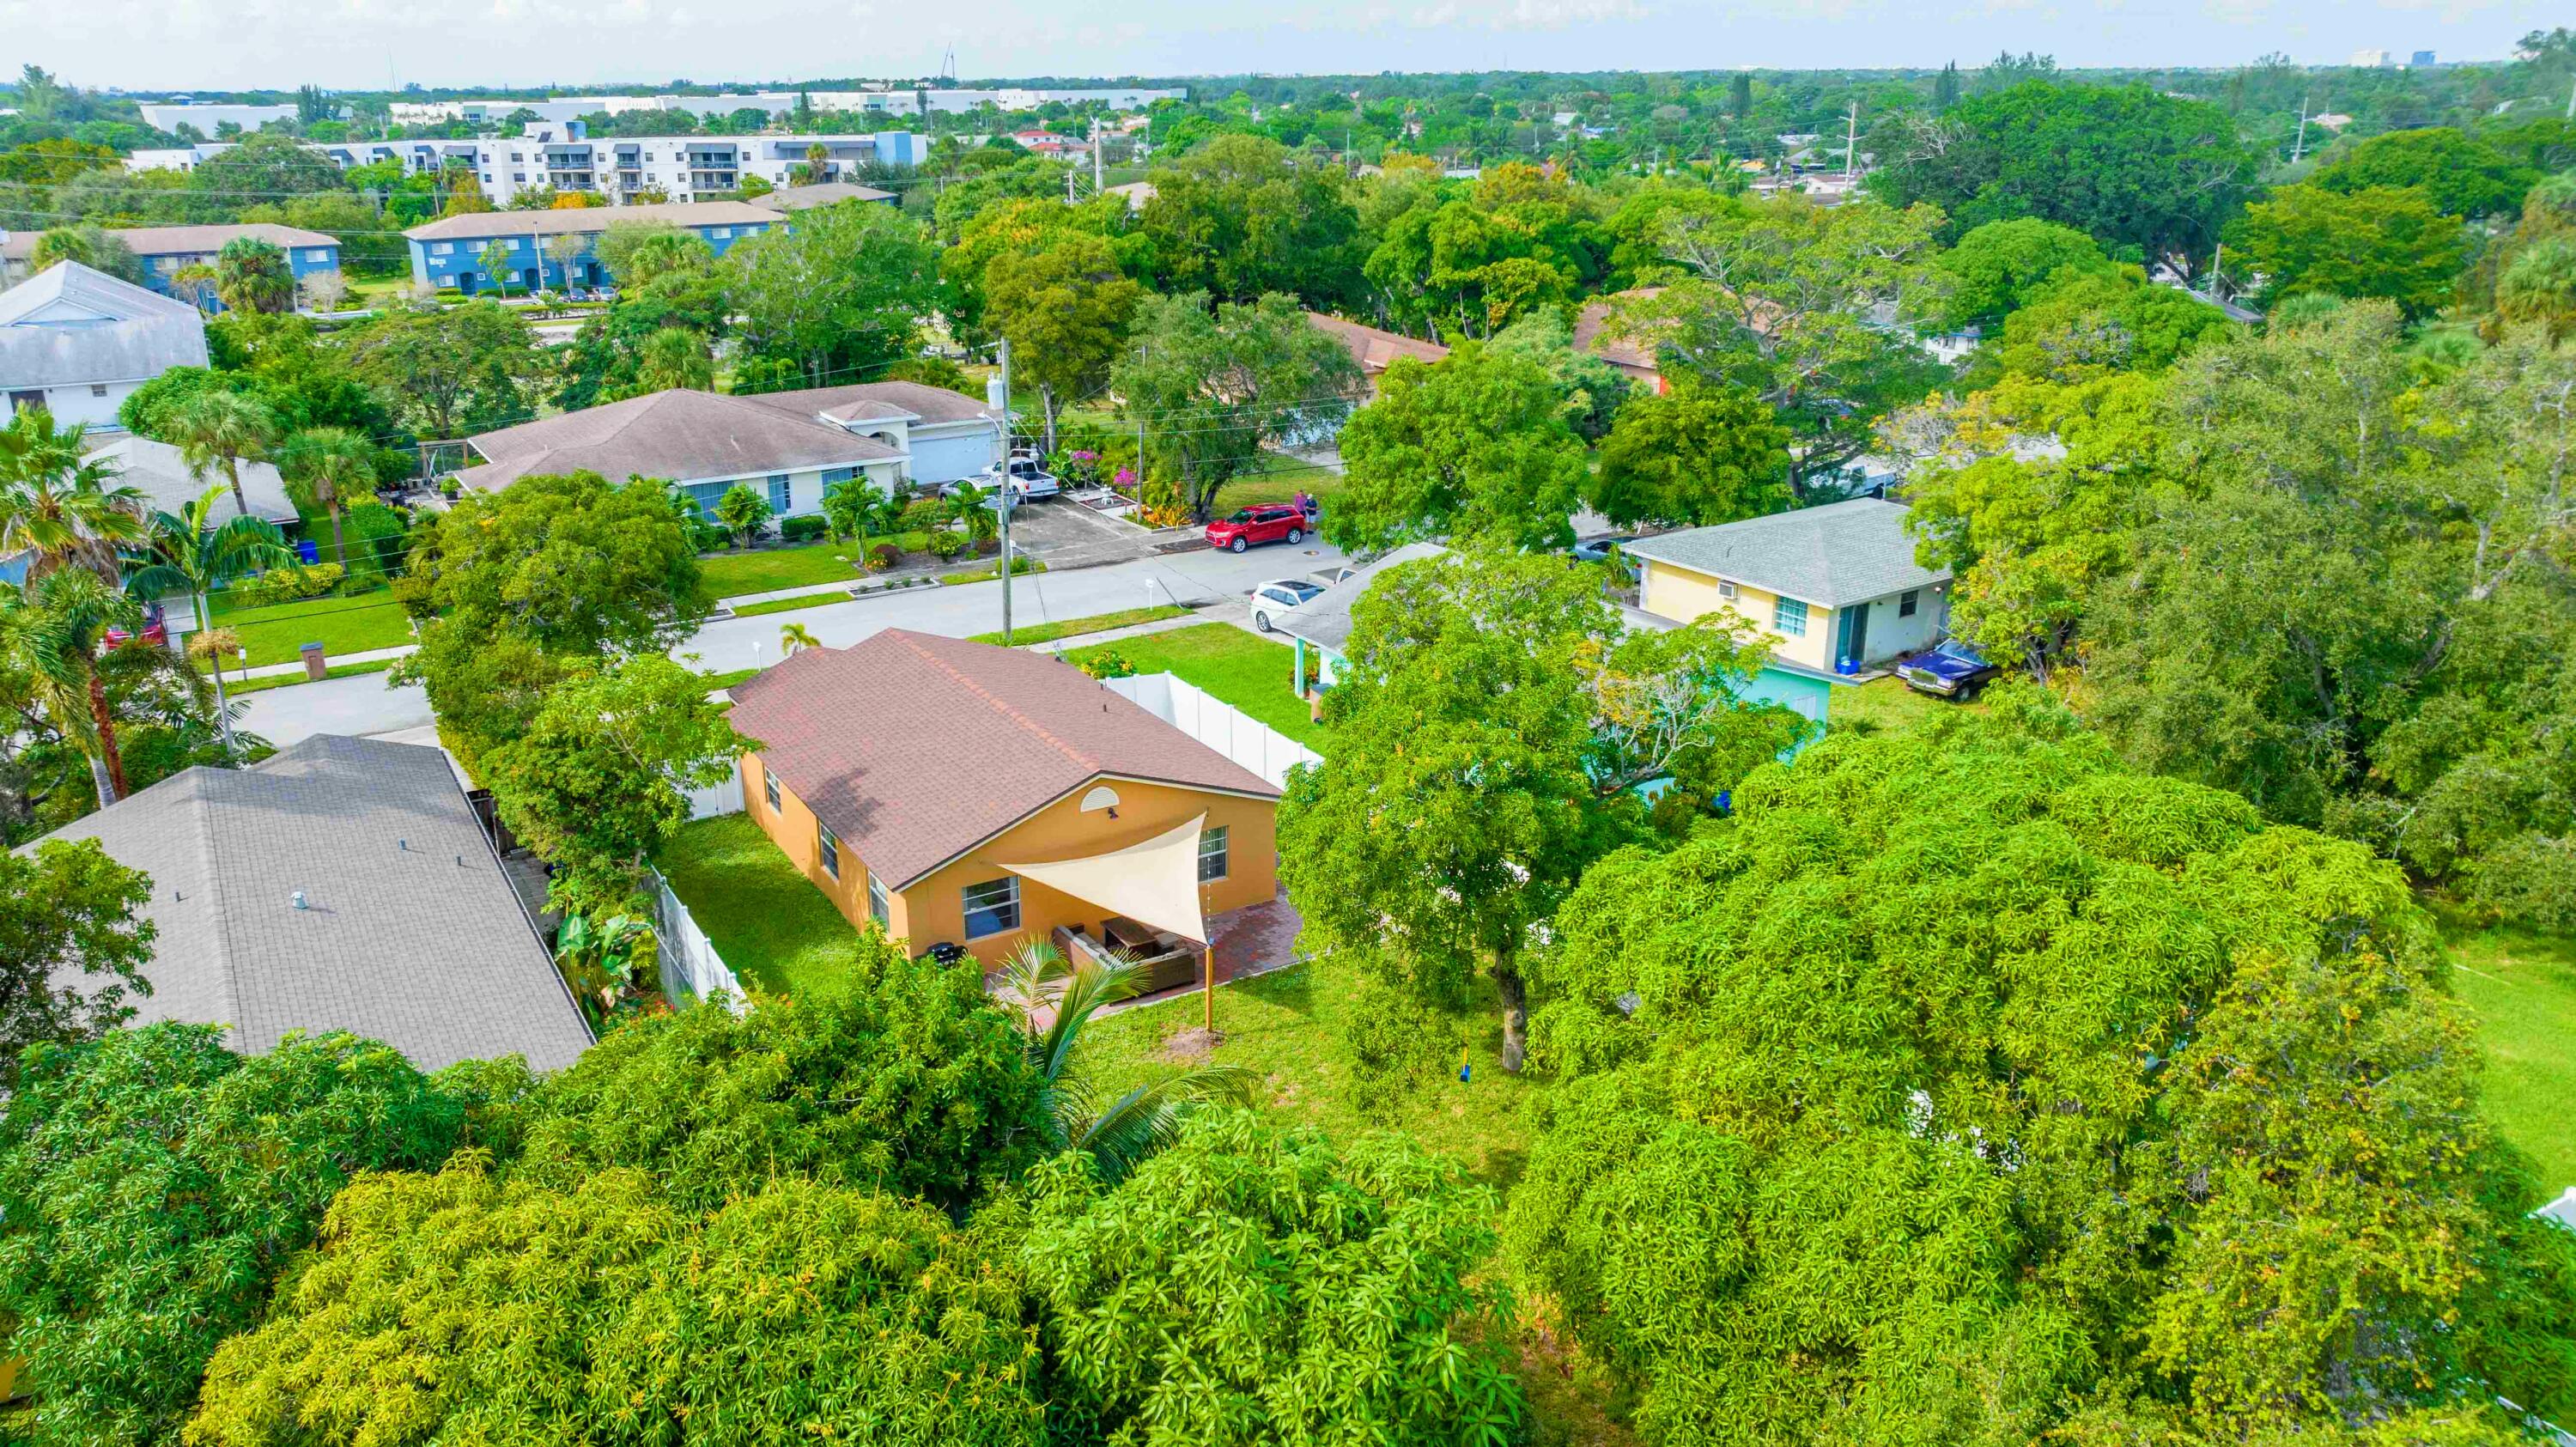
365, 705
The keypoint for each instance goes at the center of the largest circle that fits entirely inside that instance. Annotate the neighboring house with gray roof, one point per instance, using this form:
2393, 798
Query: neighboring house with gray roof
791, 445
344, 884
77, 342
821, 193
1830, 584
1323, 622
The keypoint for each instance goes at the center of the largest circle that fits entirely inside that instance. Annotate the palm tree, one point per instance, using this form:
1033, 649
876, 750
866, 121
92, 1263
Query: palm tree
61, 505
190, 552
196, 281
1054, 1004
223, 430
967, 505
2540, 286
60, 623
794, 636
326, 468
252, 275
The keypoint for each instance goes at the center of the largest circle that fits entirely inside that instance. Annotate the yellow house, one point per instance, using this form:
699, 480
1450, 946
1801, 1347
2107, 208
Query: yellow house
958, 793
1831, 585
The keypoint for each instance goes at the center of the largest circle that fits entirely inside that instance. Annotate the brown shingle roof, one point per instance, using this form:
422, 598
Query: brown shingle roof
860, 401
1371, 347
914, 748
182, 240
822, 193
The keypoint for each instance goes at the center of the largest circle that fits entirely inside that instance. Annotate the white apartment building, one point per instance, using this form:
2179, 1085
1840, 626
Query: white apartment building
887, 100
168, 116
556, 154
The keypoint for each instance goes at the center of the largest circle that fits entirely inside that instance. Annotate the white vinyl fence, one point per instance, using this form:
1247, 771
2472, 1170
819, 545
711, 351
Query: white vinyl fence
1221, 726
691, 967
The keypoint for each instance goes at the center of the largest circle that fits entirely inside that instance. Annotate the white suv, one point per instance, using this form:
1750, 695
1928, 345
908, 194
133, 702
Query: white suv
1278, 596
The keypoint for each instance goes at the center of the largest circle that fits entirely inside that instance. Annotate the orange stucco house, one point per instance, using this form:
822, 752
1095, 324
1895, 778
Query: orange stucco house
956, 793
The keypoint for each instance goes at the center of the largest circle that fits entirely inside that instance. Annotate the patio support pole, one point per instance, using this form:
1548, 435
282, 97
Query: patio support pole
1208, 952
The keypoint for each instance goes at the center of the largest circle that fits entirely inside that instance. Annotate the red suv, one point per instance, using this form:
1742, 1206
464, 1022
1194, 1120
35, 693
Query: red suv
1276, 522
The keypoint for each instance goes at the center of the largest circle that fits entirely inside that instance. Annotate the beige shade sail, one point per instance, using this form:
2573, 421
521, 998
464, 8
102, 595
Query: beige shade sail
1155, 883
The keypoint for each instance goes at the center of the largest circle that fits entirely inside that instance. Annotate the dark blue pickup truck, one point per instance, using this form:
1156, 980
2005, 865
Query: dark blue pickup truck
1951, 669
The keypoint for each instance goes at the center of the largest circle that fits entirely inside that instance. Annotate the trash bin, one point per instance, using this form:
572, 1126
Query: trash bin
307, 551
314, 669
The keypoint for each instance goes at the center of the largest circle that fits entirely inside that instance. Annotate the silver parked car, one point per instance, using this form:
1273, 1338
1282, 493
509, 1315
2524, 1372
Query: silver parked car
1277, 596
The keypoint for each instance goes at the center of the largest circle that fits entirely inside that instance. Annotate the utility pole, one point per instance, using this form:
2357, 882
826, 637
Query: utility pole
1096, 177
1006, 492
1851, 142
2299, 147
2571, 102
1068, 188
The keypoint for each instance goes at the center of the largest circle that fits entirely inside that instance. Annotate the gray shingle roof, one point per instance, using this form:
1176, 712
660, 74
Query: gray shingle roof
69, 325
589, 220
915, 748
158, 469
1325, 619
682, 435
827, 193
410, 934
1844, 552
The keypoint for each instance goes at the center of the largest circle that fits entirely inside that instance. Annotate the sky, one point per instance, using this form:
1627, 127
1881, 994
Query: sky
160, 44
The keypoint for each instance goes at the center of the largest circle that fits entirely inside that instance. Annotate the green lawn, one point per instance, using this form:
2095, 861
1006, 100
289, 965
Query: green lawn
341, 625
772, 926
1076, 627
1243, 669
1281, 479
789, 604
2522, 987
766, 570
1884, 703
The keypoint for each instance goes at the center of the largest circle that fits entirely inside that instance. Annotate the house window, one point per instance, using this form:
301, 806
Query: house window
442, 248
769, 790
778, 493
721, 233
878, 909
98, 389
1726, 590
1212, 856
828, 845
1789, 618
992, 907
317, 255
1905, 603
165, 264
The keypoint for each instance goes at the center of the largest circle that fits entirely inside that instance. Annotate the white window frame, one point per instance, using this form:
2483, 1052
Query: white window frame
1221, 855
1908, 602
1726, 589
769, 791
1786, 623
1006, 903
827, 848
880, 907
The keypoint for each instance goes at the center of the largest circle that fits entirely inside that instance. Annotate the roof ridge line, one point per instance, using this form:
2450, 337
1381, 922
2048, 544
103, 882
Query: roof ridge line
222, 932
1001, 706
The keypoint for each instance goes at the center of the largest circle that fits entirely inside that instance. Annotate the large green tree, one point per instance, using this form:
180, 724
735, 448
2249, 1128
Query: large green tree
1689, 457
1789, 301
2001, 266
154, 1182
72, 951
2462, 174
2150, 176
841, 293
1213, 384
2394, 244
1473, 445
1242, 217
1248, 1286
1490, 733
453, 370
1968, 1082
1065, 309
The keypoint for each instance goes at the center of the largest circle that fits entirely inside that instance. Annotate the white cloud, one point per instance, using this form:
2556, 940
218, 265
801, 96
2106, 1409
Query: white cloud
1527, 14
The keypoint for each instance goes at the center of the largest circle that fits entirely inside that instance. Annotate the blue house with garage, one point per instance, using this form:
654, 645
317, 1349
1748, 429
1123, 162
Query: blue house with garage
166, 251
792, 447
448, 252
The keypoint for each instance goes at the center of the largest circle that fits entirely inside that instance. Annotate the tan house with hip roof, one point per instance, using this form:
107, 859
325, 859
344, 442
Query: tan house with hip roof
1827, 584
958, 793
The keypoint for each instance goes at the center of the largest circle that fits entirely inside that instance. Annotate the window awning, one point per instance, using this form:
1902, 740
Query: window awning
1155, 883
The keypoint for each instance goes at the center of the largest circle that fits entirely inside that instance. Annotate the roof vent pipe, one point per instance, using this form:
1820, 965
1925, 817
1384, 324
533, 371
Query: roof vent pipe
299, 900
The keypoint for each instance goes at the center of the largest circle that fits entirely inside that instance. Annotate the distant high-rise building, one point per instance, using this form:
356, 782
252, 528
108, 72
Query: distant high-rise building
2422, 57
2370, 59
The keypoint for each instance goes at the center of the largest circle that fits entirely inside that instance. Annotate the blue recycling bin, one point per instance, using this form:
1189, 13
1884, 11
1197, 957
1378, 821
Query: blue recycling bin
307, 551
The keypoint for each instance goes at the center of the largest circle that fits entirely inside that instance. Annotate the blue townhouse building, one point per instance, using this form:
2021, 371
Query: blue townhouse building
448, 252
165, 251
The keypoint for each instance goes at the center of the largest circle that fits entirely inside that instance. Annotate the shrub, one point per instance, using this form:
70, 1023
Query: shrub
922, 514
1108, 665
293, 583
883, 556
378, 538
803, 528
945, 545
987, 547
